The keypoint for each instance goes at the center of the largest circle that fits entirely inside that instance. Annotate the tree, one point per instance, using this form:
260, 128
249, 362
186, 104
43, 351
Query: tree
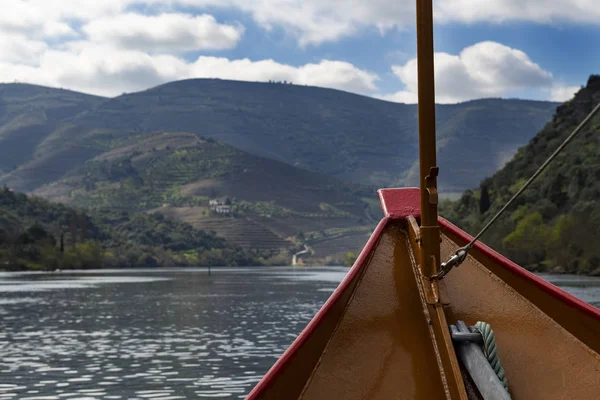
83, 227
90, 255
73, 228
563, 246
350, 259
484, 200
526, 245
37, 232
555, 190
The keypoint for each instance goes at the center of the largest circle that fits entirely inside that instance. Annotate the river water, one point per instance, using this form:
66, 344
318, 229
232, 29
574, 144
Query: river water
157, 334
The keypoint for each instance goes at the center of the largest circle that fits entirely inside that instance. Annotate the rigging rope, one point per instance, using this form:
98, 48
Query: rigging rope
460, 254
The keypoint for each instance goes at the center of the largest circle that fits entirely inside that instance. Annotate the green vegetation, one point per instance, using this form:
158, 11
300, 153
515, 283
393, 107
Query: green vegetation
182, 169
350, 259
555, 224
37, 234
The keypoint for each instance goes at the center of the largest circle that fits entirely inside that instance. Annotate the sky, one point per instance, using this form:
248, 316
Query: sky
533, 49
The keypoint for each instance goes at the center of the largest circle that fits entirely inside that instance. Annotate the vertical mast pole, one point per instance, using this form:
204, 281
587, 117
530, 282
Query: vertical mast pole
430, 231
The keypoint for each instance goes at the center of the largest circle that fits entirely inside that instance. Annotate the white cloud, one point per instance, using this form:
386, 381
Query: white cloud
540, 11
34, 18
19, 49
563, 93
31, 12
403, 96
311, 21
164, 33
318, 21
486, 69
107, 70
53, 29
332, 74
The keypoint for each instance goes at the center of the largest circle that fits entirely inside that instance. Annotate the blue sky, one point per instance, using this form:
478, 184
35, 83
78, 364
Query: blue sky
537, 49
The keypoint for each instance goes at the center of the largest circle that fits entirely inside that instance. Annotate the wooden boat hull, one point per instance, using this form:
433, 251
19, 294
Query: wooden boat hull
381, 335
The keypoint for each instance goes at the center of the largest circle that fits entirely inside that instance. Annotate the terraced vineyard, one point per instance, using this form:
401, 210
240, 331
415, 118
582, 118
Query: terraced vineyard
336, 246
244, 232
239, 231
293, 225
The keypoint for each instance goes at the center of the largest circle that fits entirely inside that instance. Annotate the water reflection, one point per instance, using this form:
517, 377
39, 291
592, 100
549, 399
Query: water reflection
586, 288
43, 282
150, 334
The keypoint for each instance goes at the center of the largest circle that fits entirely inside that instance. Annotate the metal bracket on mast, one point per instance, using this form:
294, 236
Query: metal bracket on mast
431, 184
434, 290
429, 229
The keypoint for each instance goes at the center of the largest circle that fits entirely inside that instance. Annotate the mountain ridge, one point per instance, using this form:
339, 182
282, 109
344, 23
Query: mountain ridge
351, 136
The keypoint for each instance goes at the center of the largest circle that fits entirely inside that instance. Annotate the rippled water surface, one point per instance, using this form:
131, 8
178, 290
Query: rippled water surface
160, 335
151, 334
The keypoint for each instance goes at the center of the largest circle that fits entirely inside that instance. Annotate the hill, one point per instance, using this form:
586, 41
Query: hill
33, 231
270, 205
555, 224
278, 147
356, 138
31, 115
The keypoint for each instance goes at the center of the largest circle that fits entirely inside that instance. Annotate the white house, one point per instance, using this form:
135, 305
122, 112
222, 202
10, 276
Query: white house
222, 209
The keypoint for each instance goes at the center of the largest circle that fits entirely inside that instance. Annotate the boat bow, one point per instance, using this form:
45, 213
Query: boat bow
375, 337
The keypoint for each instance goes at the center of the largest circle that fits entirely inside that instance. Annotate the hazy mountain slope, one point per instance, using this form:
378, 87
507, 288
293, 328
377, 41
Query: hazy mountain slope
357, 138
30, 114
338, 133
556, 222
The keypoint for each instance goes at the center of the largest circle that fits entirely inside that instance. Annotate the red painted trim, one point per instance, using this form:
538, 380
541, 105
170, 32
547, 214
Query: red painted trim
400, 203
359, 265
521, 272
